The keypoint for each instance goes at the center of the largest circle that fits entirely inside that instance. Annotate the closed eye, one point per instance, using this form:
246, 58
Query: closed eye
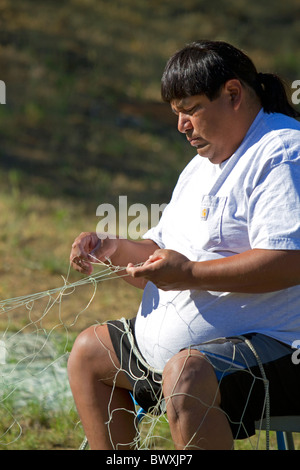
189, 111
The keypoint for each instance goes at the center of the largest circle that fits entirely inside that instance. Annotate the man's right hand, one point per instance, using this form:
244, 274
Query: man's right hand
88, 248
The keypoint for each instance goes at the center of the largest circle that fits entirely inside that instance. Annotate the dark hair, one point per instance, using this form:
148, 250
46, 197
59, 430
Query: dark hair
202, 67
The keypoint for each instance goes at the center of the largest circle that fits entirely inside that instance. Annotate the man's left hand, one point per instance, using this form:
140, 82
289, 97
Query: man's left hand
167, 269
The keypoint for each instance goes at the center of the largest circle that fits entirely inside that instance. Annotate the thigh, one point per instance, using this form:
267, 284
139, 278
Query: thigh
249, 369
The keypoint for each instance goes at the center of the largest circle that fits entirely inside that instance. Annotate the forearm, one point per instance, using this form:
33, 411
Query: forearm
132, 251
255, 271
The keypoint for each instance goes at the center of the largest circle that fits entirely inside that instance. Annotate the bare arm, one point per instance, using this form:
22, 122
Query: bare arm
254, 271
88, 248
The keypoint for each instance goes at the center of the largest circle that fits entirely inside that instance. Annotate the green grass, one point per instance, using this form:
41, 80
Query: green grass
33, 428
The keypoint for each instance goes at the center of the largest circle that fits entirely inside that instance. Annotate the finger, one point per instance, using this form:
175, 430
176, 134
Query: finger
93, 255
99, 254
134, 271
81, 265
78, 251
84, 244
79, 256
141, 271
158, 254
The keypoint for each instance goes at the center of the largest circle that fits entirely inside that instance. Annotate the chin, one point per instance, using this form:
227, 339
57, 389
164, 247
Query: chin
215, 159
206, 154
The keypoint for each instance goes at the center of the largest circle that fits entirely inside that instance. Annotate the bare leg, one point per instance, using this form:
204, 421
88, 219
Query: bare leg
193, 399
99, 388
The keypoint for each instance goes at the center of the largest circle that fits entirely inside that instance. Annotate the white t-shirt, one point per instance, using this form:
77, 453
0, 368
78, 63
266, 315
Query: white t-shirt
252, 200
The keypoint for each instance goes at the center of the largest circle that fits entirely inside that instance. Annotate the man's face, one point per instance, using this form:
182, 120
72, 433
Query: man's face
211, 127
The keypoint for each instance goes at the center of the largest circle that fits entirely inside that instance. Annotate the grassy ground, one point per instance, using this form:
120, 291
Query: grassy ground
84, 124
162, 439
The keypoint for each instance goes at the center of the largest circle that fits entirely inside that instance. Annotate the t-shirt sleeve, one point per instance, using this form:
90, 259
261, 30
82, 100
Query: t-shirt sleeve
155, 234
274, 207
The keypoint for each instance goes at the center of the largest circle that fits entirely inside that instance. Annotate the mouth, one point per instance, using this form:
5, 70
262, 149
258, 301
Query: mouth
197, 142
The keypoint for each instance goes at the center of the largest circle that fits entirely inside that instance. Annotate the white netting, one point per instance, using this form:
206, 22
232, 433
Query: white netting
146, 437
33, 359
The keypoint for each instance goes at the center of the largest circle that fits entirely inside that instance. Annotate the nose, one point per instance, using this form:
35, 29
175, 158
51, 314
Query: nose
184, 122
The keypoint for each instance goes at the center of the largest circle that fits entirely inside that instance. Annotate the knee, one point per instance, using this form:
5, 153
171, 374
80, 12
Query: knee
188, 381
88, 349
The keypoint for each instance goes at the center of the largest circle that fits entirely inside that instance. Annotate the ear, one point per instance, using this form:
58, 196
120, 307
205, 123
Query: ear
234, 90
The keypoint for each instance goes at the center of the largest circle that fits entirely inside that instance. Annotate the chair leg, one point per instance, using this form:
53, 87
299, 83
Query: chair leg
285, 440
280, 440
289, 441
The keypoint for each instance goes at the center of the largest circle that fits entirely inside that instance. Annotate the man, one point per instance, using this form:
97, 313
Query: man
213, 337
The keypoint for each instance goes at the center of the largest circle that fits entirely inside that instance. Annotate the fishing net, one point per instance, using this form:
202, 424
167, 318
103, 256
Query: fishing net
33, 357
33, 363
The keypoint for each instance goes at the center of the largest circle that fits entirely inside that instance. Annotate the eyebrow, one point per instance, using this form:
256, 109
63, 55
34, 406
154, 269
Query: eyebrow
180, 104
180, 107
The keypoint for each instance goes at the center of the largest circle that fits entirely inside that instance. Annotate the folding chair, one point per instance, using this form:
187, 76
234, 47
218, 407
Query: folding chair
284, 427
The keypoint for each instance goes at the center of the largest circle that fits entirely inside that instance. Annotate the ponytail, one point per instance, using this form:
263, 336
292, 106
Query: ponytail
272, 94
